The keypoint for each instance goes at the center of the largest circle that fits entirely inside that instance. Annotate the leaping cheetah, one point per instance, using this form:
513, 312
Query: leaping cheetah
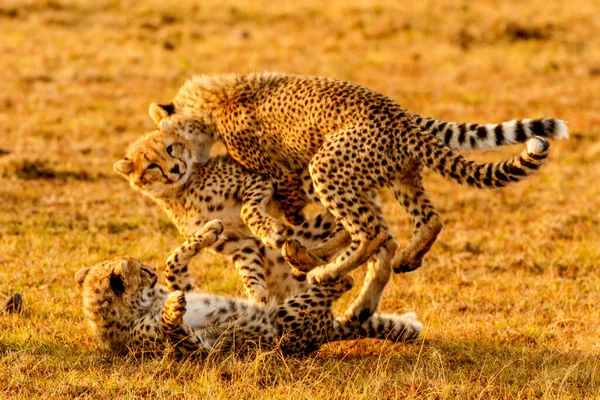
354, 142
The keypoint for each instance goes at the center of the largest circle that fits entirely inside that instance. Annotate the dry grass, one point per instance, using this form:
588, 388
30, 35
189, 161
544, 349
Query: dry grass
509, 293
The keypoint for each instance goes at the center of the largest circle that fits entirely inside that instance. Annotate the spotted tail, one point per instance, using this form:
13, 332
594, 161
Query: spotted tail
450, 164
402, 328
490, 136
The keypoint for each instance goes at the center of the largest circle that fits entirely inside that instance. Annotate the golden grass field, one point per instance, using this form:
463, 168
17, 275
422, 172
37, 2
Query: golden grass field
509, 294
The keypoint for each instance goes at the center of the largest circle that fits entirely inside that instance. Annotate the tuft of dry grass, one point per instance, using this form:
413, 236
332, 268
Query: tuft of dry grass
509, 293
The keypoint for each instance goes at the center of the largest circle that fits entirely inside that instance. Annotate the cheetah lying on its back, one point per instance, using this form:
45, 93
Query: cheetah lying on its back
162, 167
126, 307
354, 142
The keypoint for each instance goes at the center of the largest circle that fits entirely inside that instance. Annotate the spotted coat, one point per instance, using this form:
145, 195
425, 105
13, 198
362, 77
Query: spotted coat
126, 308
354, 142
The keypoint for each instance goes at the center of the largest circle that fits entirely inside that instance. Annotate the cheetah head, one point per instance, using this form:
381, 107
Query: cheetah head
195, 130
157, 164
115, 293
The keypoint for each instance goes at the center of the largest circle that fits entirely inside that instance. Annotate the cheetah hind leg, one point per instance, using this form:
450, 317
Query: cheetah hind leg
427, 224
378, 275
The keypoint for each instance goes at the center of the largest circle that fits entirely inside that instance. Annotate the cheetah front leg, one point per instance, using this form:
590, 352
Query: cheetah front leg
347, 187
258, 192
248, 258
379, 271
427, 224
177, 273
245, 145
174, 328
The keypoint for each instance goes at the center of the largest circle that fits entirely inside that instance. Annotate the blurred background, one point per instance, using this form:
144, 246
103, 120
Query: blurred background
513, 269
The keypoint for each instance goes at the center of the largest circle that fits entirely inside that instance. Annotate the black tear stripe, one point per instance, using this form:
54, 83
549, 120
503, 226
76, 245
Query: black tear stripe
499, 134
520, 132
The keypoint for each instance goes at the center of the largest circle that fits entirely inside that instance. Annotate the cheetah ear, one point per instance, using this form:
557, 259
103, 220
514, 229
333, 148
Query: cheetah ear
117, 278
123, 167
164, 126
81, 274
160, 111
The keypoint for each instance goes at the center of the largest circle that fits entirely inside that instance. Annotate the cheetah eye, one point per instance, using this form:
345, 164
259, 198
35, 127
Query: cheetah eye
169, 149
151, 166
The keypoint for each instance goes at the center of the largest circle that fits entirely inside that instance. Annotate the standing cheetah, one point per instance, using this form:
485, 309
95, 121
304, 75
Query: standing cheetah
126, 308
354, 141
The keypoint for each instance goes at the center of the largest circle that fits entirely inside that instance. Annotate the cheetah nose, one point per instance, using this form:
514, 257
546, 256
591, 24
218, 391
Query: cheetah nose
175, 169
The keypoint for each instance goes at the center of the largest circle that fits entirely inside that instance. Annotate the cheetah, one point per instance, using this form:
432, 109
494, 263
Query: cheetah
163, 167
126, 308
354, 142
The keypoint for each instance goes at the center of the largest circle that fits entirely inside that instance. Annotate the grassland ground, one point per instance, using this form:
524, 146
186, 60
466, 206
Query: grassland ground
509, 293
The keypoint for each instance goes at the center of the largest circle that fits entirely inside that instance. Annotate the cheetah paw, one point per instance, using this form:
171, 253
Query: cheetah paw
215, 225
359, 312
319, 276
174, 308
258, 295
208, 234
404, 263
298, 256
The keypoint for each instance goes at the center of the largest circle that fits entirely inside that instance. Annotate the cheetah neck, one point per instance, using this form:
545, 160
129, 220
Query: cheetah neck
210, 97
203, 97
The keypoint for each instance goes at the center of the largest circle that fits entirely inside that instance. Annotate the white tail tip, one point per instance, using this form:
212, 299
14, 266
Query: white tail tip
537, 145
562, 131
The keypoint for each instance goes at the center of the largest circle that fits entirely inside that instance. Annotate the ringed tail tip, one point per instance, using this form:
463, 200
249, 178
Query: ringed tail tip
562, 130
